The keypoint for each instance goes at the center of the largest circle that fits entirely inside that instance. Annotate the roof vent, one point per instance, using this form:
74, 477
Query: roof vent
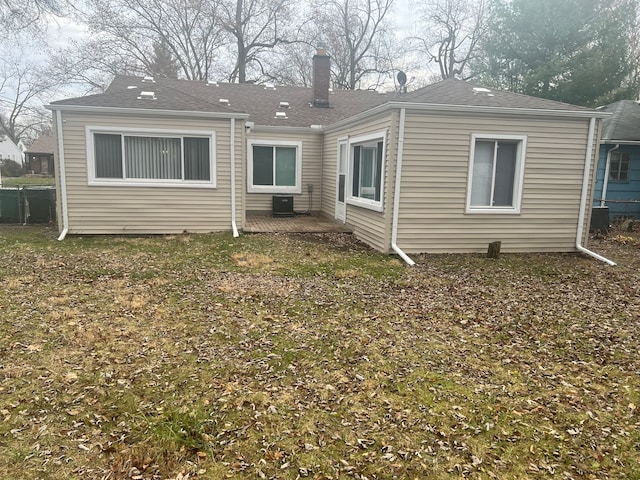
132, 87
147, 96
284, 104
281, 115
224, 101
482, 91
269, 86
212, 83
148, 79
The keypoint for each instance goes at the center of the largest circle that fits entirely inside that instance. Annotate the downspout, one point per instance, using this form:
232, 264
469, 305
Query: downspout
232, 147
583, 197
63, 178
605, 180
396, 193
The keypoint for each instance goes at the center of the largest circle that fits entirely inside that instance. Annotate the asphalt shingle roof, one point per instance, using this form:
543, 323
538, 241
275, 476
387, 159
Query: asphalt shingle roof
43, 144
262, 102
624, 122
463, 93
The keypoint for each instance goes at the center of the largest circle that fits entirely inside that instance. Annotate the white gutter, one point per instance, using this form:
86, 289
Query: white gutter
232, 146
63, 178
605, 182
583, 197
144, 111
396, 193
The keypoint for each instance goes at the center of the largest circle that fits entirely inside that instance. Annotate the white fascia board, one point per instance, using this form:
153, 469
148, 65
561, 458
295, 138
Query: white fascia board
434, 107
145, 111
275, 129
366, 115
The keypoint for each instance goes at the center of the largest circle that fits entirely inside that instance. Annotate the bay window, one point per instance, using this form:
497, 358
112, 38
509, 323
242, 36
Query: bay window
366, 169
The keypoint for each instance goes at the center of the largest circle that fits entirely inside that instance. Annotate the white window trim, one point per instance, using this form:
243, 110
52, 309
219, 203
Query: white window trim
151, 182
377, 206
519, 175
619, 154
342, 141
251, 188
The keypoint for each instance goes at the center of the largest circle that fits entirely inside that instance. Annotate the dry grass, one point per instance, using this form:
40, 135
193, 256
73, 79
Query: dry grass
310, 356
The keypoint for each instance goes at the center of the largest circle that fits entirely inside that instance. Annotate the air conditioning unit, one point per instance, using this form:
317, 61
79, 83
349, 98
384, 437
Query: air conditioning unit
600, 219
283, 206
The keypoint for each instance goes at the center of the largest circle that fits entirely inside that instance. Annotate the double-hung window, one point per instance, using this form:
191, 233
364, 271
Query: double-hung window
496, 171
150, 158
274, 167
366, 169
619, 166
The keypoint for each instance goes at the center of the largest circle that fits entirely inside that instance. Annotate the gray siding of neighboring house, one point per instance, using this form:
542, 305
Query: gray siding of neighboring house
132, 209
369, 226
311, 171
436, 154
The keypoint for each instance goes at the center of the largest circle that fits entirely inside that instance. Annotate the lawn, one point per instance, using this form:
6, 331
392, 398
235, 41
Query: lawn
27, 181
290, 356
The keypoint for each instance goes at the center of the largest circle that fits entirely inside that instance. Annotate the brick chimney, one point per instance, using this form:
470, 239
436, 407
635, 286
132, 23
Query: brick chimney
321, 78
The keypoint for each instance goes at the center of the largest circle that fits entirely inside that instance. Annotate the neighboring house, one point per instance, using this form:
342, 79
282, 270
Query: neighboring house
10, 151
618, 174
446, 168
39, 156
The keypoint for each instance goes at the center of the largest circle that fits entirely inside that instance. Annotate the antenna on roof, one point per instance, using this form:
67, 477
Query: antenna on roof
402, 80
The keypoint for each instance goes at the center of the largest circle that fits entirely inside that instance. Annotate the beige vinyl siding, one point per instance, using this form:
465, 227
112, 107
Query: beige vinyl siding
133, 209
369, 226
311, 171
329, 172
432, 214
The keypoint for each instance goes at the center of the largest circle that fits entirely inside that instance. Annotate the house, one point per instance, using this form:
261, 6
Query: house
446, 168
10, 151
618, 174
39, 156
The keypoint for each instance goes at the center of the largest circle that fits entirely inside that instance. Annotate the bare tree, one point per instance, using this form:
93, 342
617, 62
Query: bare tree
357, 34
454, 29
89, 66
290, 65
255, 26
18, 15
22, 90
187, 30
